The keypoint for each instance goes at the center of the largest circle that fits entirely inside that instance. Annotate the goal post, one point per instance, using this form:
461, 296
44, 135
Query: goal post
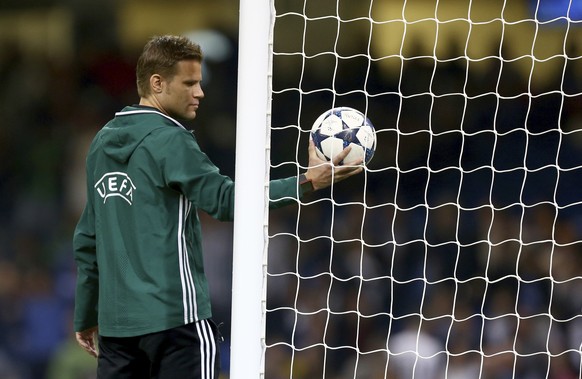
251, 196
457, 252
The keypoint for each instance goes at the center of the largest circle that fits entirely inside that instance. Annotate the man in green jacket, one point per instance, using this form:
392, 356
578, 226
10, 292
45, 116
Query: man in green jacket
141, 285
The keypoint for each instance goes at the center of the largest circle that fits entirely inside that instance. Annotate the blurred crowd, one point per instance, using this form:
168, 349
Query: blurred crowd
456, 253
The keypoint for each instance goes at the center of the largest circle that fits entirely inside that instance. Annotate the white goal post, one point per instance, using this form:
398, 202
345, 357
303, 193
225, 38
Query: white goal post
251, 197
457, 253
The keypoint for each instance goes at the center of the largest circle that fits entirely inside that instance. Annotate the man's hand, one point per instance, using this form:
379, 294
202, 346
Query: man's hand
322, 173
86, 340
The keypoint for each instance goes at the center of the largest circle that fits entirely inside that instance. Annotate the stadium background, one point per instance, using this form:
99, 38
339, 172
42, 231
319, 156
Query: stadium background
68, 65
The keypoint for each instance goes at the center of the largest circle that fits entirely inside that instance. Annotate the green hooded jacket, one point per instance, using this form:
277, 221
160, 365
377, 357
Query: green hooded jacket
138, 243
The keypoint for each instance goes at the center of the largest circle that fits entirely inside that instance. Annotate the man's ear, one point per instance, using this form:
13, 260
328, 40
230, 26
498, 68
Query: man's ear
156, 83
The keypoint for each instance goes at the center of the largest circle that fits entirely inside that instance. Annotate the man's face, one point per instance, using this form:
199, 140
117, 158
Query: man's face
181, 94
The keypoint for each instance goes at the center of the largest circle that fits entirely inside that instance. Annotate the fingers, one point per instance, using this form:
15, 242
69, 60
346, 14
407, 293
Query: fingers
322, 173
88, 346
343, 172
347, 169
314, 159
311, 147
337, 160
86, 340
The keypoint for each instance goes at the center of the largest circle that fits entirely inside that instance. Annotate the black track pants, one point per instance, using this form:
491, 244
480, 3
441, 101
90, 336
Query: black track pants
186, 352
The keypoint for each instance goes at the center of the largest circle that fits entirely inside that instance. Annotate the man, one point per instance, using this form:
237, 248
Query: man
140, 278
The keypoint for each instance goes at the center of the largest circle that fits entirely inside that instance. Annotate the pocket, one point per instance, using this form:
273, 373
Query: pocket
216, 330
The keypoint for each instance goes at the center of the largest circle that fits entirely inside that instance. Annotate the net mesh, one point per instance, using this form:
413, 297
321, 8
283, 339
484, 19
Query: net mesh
457, 253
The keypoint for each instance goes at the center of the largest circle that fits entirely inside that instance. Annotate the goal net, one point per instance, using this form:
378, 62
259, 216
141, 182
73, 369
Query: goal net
457, 253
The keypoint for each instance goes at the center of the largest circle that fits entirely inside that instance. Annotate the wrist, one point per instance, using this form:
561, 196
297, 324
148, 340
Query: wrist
305, 184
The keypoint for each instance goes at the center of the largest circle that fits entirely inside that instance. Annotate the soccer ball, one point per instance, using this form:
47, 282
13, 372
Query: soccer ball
341, 127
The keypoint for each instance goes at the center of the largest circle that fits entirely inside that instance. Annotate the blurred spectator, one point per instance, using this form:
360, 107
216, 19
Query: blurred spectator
415, 354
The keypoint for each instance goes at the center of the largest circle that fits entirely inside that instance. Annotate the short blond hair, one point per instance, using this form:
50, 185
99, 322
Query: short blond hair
160, 56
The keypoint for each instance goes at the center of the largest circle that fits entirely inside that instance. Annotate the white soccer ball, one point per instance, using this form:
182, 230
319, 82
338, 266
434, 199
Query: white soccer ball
341, 127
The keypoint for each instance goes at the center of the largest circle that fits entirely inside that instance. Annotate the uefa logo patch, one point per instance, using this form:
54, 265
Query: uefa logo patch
115, 184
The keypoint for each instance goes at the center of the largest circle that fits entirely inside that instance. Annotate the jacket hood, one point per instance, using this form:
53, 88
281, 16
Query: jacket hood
122, 135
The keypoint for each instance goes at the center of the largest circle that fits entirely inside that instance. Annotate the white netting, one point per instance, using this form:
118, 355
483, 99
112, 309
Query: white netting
458, 252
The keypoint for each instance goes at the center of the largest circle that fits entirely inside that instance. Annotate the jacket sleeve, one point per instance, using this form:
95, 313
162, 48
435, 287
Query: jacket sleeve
188, 169
87, 286
284, 192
